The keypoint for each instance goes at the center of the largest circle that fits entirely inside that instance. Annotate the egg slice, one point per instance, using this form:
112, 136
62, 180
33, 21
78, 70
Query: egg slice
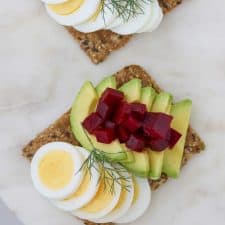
103, 203
124, 203
55, 170
136, 23
86, 11
86, 190
100, 21
54, 1
155, 19
141, 201
66, 7
157, 22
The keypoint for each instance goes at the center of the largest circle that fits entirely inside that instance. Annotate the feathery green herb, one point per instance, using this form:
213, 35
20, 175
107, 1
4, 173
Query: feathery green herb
111, 173
125, 9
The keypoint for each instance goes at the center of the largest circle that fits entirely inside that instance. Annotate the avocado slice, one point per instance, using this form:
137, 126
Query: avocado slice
132, 90
84, 104
148, 95
114, 150
108, 82
162, 104
173, 157
81, 108
140, 166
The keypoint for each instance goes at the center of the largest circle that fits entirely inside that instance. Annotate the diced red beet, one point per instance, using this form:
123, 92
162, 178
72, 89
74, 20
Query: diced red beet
92, 122
173, 137
158, 144
111, 97
109, 124
122, 134
105, 135
122, 112
132, 124
140, 132
104, 110
157, 125
138, 110
136, 143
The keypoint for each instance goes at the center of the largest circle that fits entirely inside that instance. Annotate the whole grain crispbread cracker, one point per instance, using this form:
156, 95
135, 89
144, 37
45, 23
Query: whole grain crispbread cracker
98, 45
60, 130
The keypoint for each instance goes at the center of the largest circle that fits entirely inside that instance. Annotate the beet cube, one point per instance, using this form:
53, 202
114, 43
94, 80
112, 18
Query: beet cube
122, 112
104, 110
173, 137
109, 124
138, 110
123, 134
105, 135
111, 97
132, 124
92, 122
136, 143
158, 144
157, 125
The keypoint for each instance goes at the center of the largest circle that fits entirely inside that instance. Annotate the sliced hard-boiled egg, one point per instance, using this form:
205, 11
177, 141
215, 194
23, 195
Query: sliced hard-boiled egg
117, 22
155, 19
157, 22
86, 190
141, 201
124, 203
54, 1
66, 8
98, 22
104, 201
86, 11
135, 23
55, 170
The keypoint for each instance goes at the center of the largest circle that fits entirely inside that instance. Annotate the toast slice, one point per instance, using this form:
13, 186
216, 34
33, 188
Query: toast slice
99, 44
60, 130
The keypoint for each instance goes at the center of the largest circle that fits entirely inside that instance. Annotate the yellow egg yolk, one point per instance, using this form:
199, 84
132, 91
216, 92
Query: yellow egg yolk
102, 199
122, 198
56, 169
82, 188
136, 191
67, 7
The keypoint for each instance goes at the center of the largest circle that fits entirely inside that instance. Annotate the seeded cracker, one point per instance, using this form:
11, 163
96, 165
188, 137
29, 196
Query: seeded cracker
99, 44
60, 130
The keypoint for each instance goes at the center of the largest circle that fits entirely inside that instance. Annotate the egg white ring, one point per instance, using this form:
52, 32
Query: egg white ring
152, 20
101, 22
54, 2
97, 215
157, 22
141, 205
119, 212
117, 22
78, 202
134, 24
81, 15
76, 179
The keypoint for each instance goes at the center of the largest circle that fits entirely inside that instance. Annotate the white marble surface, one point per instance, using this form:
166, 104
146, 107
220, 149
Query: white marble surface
41, 69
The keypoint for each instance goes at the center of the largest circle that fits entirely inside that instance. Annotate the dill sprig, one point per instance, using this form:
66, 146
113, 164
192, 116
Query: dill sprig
111, 173
125, 9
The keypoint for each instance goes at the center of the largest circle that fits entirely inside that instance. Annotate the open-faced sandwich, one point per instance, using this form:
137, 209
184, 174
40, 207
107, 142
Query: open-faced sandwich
102, 26
131, 138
